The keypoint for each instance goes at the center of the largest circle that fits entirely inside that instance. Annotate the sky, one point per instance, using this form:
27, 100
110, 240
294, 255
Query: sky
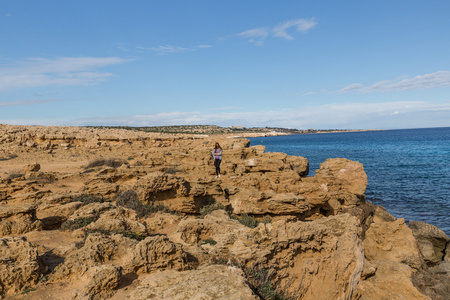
295, 64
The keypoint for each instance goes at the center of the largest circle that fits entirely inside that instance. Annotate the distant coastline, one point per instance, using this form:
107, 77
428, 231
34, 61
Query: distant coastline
236, 131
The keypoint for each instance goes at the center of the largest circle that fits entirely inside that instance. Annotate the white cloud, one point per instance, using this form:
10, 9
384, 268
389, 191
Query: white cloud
26, 102
259, 35
385, 115
36, 72
300, 25
427, 81
256, 36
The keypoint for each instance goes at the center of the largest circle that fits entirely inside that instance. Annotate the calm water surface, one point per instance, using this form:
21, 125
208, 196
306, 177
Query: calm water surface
408, 170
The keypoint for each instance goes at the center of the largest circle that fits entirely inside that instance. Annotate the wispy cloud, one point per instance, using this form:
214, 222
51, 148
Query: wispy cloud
423, 82
169, 49
37, 72
299, 25
26, 102
256, 36
283, 30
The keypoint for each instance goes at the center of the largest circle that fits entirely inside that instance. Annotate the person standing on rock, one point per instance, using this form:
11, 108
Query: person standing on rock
217, 155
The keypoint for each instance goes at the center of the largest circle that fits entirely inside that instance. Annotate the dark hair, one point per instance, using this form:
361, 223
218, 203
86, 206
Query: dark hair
217, 146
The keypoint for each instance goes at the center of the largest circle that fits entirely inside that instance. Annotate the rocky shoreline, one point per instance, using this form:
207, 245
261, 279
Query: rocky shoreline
98, 213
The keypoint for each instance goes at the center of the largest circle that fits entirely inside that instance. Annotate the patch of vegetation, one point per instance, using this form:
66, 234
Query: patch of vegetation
109, 162
171, 170
88, 198
78, 223
209, 241
250, 221
260, 280
208, 209
129, 199
126, 233
27, 290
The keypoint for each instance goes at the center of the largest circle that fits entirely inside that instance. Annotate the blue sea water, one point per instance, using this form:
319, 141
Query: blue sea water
408, 170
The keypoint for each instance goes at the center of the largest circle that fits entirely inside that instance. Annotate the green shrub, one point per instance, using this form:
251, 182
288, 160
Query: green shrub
78, 223
126, 233
207, 209
129, 199
259, 280
87, 198
250, 221
209, 241
109, 162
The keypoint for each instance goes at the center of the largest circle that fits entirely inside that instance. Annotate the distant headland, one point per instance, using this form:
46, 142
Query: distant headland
231, 130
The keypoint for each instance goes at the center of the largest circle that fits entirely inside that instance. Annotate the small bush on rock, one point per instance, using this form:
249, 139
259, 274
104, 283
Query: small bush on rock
250, 221
87, 198
129, 199
207, 209
209, 241
78, 223
259, 279
110, 162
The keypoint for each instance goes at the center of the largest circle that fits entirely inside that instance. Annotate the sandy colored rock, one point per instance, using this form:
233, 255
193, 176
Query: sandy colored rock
96, 250
53, 215
103, 280
19, 265
323, 233
392, 241
209, 282
118, 219
156, 253
392, 280
432, 240
18, 219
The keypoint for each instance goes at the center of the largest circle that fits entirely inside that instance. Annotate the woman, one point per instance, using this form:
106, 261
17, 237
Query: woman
217, 154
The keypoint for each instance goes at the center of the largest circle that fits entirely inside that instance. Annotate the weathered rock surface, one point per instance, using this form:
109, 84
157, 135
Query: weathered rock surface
319, 231
19, 265
209, 282
103, 280
432, 240
18, 219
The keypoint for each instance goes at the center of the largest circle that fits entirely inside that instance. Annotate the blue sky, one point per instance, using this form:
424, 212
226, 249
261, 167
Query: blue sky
296, 64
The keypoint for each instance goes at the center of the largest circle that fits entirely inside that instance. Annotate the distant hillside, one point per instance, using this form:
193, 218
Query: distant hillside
214, 129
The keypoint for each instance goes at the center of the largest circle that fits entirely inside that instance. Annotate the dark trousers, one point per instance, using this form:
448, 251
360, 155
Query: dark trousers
217, 165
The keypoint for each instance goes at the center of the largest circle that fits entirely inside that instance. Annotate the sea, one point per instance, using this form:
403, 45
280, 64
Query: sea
408, 170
